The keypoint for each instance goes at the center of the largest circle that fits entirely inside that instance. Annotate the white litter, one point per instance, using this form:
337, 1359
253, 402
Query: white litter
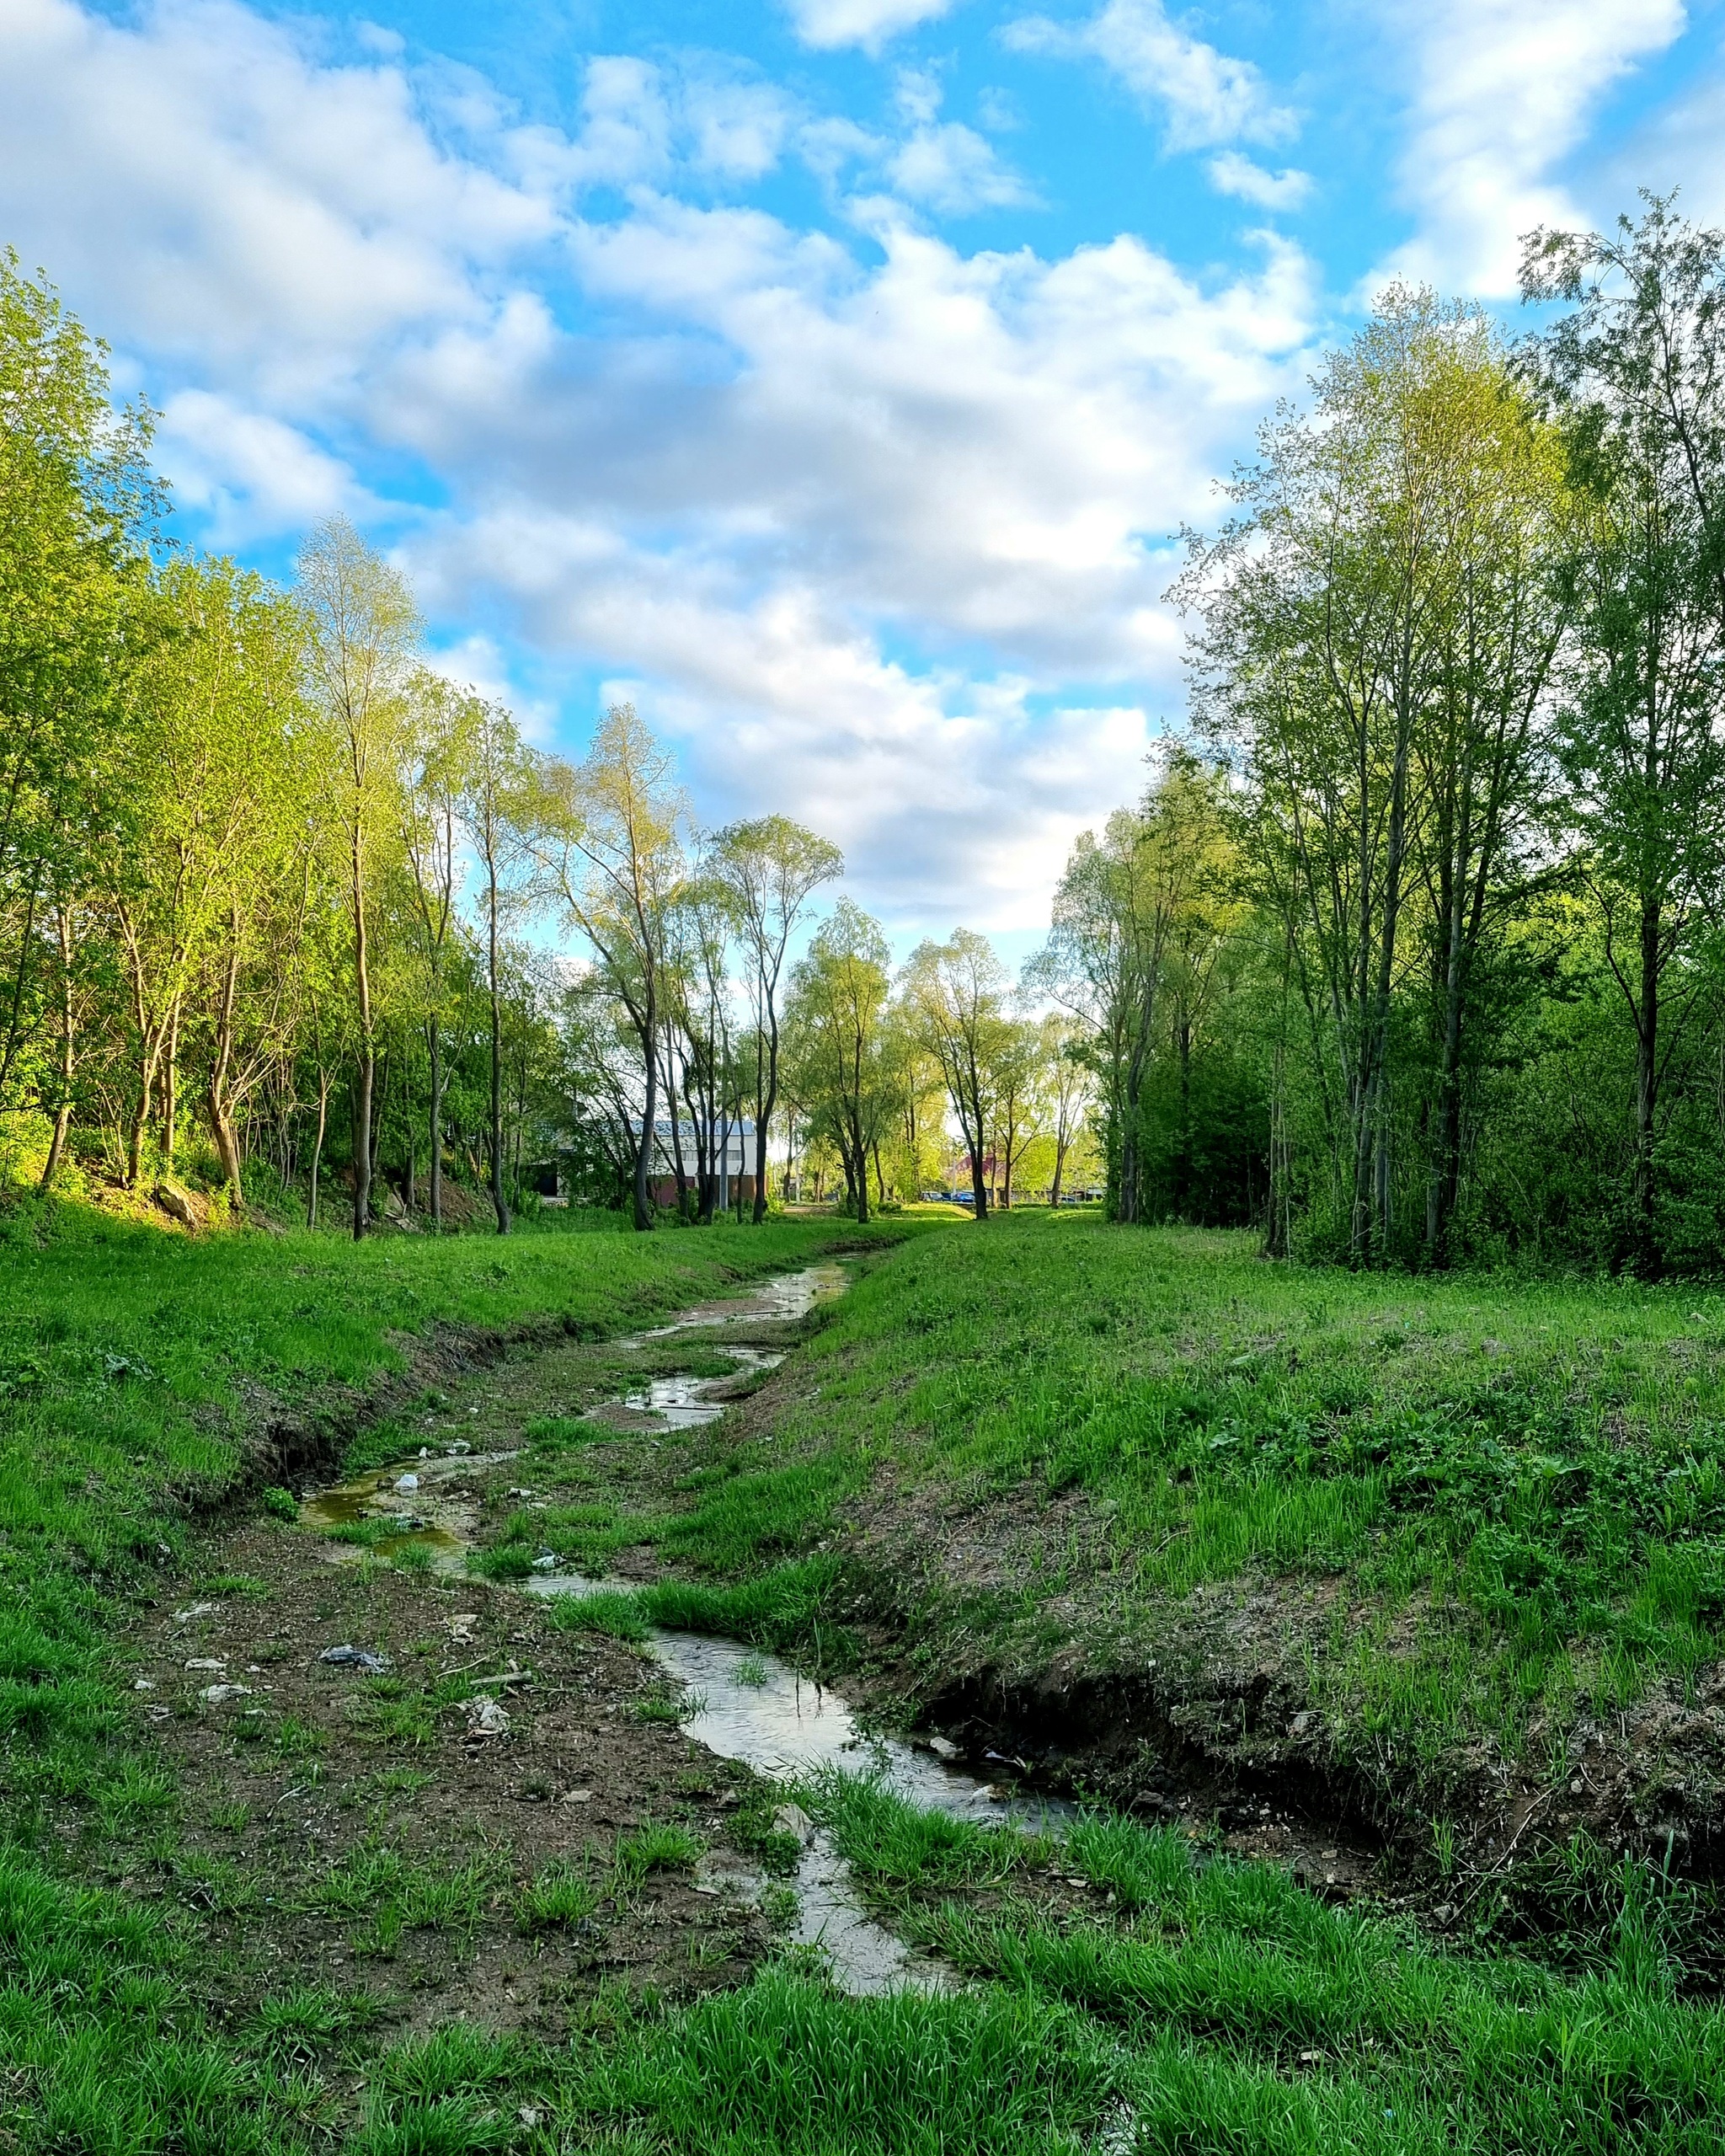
406, 1482
485, 1718
217, 1695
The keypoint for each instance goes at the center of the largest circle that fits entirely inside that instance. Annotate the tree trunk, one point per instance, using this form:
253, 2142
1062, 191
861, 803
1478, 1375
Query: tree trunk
499, 1204
318, 1147
764, 1113
643, 1148
170, 1085
368, 1048
434, 1121
68, 1037
1647, 1085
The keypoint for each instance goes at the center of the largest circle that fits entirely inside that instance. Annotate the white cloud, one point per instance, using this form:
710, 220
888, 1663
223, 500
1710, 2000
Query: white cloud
960, 453
1503, 91
230, 200
738, 128
856, 525
1231, 173
1681, 146
1207, 97
250, 473
827, 24
952, 169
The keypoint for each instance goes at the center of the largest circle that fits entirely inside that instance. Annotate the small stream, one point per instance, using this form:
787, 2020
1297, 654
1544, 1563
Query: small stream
742, 1704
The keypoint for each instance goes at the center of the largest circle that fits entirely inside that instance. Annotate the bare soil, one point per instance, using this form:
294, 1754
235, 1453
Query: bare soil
331, 1820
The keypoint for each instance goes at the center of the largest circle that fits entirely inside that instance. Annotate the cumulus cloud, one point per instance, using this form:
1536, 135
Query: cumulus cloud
252, 475
1206, 96
231, 201
856, 523
1231, 173
827, 24
1502, 90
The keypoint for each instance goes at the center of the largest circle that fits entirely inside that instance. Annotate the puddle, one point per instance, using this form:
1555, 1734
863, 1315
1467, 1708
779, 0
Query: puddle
438, 1513
686, 1403
782, 1300
744, 1704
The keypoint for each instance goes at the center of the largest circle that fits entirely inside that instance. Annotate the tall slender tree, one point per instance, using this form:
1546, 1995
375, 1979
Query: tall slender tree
363, 630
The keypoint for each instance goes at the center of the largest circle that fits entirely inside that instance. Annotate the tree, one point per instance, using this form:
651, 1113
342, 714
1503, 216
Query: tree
837, 1017
1063, 1088
772, 867
1107, 957
1638, 374
78, 506
442, 721
499, 807
1378, 635
957, 992
364, 627
204, 891
611, 855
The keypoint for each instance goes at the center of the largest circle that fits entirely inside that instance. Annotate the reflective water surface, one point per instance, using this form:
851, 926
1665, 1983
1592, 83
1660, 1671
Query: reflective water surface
743, 1704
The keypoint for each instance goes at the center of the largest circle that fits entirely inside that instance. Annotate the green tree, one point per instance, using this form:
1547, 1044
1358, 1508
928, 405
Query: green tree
1636, 370
611, 855
956, 994
837, 1019
363, 629
772, 867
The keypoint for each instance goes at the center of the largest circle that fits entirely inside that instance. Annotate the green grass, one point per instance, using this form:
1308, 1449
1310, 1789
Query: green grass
1490, 1505
1245, 2007
131, 1366
1525, 1525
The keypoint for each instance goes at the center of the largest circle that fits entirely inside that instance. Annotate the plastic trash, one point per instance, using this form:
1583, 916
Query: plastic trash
355, 1658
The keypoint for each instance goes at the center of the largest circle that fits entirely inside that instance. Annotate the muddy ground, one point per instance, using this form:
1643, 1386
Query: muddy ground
507, 1821
399, 1834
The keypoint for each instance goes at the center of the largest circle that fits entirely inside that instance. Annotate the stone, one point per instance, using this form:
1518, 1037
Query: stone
792, 1819
215, 1695
485, 1718
176, 1203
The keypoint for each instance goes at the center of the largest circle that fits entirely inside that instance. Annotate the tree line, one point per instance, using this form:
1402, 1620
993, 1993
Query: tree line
1414, 951
285, 912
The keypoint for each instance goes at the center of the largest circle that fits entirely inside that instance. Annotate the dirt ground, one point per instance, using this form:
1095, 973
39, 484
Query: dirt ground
362, 1832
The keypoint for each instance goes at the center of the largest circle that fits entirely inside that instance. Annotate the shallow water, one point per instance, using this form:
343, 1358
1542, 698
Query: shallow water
743, 1704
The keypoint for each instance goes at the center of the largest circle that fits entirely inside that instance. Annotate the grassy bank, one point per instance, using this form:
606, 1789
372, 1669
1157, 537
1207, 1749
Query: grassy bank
1043, 1441
1441, 1537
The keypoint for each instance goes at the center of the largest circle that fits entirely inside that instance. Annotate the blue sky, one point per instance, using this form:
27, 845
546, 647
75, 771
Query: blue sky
831, 376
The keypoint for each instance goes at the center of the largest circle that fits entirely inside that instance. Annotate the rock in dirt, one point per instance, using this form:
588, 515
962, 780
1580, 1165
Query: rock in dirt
461, 1627
176, 1203
215, 1695
485, 1718
792, 1819
355, 1658
195, 1609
